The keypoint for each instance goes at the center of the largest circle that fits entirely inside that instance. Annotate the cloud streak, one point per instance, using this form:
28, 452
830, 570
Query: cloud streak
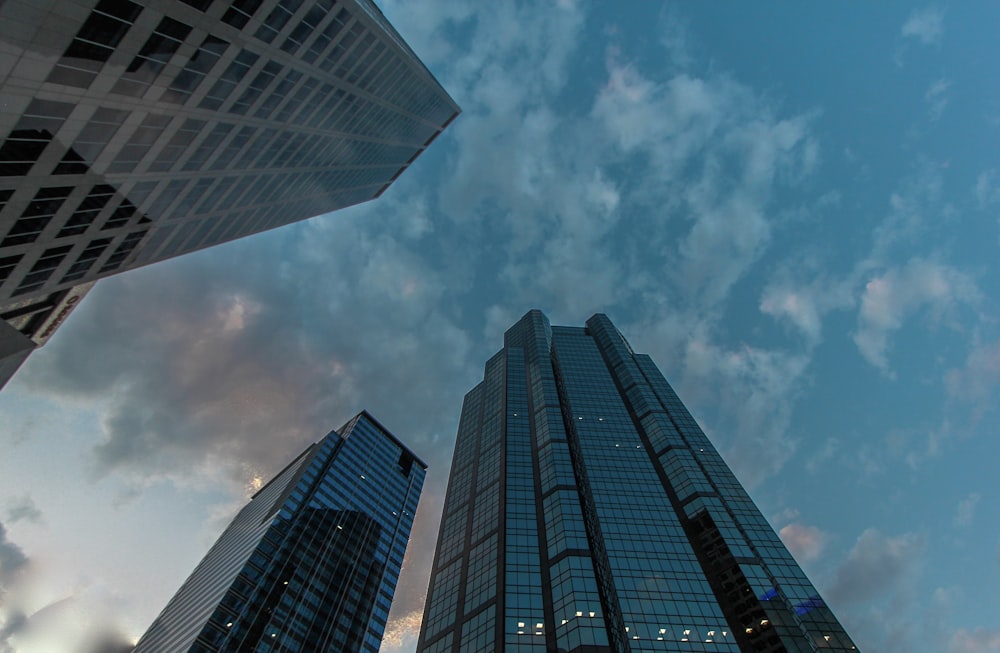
805, 542
877, 565
890, 298
13, 561
980, 640
925, 25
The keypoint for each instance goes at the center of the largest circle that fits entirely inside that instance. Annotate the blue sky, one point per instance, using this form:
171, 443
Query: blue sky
793, 207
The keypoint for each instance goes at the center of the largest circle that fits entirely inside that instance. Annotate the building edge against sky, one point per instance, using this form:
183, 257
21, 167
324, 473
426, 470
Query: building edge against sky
587, 512
135, 132
311, 563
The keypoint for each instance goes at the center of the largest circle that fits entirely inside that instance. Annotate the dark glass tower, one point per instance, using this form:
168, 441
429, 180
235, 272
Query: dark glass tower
587, 512
133, 132
311, 563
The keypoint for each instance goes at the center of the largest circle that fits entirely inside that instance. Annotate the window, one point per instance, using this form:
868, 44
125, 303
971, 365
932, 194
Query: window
97, 133
42, 269
307, 26
200, 5
174, 150
166, 197
229, 79
120, 217
7, 265
32, 133
86, 259
240, 12
88, 211
139, 144
34, 219
152, 57
209, 146
186, 205
195, 70
123, 250
236, 145
277, 19
275, 97
95, 42
20, 151
256, 88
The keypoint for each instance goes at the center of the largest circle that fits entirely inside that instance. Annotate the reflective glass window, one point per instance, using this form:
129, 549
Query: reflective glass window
86, 259
240, 12
196, 69
42, 269
95, 42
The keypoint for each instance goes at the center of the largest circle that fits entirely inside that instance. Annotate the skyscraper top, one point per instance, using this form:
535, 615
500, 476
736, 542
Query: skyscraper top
133, 133
587, 512
311, 562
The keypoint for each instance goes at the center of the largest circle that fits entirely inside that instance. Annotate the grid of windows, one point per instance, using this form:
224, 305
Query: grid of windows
622, 528
95, 43
36, 216
153, 56
305, 112
43, 268
312, 562
86, 259
88, 210
31, 135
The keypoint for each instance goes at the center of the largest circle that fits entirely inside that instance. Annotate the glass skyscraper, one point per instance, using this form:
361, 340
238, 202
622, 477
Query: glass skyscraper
134, 132
587, 512
311, 563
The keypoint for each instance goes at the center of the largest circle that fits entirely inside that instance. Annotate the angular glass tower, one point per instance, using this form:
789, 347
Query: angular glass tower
587, 512
311, 563
135, 132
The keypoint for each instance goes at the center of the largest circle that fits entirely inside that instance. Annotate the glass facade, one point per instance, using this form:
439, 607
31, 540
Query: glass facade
587, 512
311, 563
135, 132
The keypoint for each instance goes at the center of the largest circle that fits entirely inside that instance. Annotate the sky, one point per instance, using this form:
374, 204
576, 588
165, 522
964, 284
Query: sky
793, 207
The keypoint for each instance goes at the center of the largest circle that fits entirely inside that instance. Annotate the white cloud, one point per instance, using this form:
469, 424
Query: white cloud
914, 209
988, 188
888, 299
23, 508
760, 386
925, 25
716, 153
797, 307
965, 513
805, 542
401, 633
805, 303
936, 98
876, 566
785, 516
977, 381
980, 640
13, 562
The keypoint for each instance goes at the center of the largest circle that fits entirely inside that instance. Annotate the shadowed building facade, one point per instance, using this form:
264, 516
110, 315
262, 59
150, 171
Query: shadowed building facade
135, 132
587, 512
311, 563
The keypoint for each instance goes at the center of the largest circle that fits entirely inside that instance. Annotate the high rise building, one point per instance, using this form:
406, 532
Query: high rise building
587, 512
311, 563
135, 132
